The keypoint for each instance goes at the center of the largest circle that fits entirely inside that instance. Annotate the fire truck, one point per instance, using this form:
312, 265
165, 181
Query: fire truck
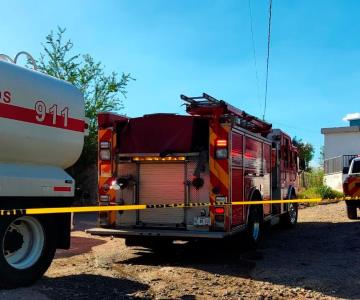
189, 169
42, 128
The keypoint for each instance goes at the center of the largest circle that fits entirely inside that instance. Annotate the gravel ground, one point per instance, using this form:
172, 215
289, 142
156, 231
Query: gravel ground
318, 260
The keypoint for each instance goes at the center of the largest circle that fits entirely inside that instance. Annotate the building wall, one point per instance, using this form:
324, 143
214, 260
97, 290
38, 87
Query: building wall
336, 144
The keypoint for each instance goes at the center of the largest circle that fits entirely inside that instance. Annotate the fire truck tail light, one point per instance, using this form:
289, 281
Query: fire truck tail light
221, 150
219, 217
105, 145
221, 143
105, 154
219, 210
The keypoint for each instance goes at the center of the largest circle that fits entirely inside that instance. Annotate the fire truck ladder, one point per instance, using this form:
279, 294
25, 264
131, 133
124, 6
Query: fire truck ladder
206, 105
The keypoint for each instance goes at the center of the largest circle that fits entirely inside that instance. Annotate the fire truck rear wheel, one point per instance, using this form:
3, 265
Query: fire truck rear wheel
27, 248
289, 219
351, 210
253, 231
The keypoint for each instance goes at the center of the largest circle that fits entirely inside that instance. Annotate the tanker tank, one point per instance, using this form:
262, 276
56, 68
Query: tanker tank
41, 118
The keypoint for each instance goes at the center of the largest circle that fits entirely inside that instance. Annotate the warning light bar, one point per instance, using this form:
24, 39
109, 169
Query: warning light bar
157, 158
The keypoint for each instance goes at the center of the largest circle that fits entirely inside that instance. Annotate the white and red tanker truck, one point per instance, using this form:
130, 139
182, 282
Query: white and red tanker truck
42, 128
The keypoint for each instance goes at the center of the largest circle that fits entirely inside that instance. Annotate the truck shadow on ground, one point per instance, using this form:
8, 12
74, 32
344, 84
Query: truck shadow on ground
86, 286
79, 245
318, 256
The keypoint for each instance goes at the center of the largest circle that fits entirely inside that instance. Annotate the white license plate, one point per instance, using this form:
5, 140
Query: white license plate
202, 221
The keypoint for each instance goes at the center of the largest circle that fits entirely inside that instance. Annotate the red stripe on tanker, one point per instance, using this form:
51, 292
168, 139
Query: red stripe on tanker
40, 116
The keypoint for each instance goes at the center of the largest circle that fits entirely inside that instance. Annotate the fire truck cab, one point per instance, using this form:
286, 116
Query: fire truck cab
189, 170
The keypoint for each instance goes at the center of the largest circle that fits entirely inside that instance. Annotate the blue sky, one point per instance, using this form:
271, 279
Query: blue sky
190, 47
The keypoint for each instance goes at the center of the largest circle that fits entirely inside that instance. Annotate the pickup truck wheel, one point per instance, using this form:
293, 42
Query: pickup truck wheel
27, 248
351, 210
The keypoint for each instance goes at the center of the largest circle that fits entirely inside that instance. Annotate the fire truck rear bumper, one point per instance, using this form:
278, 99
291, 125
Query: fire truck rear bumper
176, 234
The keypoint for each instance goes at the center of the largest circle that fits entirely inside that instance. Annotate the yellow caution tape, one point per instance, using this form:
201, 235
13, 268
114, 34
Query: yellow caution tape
83, 209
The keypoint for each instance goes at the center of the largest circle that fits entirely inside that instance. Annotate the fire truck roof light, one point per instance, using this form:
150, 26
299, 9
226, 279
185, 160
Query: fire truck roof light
156, 158
221, 143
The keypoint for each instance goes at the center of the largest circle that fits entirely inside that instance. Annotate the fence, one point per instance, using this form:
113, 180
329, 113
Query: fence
337, 164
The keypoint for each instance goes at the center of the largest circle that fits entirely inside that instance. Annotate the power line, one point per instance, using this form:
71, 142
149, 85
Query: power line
254, 52
267, 58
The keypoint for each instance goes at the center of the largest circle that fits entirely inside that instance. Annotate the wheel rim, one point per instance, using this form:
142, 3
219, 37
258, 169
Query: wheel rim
23, 242
292, 213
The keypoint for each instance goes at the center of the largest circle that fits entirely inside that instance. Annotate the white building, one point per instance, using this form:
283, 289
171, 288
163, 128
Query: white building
341, 144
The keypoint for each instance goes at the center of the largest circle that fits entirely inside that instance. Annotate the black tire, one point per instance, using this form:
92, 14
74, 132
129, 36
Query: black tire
289, 219
253, 231
25, 271
351, 210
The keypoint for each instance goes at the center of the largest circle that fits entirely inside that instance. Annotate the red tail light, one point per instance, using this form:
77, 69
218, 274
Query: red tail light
219, 210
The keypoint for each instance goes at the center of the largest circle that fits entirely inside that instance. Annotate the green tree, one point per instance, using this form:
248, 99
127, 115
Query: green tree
102, 91
306, 153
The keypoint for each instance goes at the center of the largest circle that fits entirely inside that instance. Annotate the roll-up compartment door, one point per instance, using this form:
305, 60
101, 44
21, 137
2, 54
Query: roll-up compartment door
162, 183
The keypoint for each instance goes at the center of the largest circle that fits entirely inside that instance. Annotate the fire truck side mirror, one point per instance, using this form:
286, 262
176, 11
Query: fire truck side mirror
345, 170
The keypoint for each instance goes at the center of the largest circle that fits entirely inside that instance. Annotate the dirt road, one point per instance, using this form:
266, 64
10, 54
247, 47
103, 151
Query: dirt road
319, 259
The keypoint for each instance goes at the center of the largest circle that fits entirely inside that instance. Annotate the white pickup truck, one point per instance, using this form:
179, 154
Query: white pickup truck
351, 188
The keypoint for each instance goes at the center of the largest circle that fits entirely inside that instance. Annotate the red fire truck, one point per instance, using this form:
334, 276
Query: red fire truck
191, 169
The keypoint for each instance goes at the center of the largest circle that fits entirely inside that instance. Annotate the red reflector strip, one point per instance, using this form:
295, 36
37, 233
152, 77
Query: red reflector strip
62, 188
221, 143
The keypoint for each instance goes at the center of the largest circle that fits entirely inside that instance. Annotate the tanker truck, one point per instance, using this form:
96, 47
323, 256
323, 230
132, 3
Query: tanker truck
42, 128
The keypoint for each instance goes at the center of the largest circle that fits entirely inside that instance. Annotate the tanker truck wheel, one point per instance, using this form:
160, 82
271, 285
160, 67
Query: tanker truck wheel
27, 248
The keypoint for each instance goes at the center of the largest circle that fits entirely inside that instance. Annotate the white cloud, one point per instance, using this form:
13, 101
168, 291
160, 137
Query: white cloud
352, 116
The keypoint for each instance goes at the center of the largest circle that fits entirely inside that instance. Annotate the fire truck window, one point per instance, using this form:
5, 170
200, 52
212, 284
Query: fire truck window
356, 167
